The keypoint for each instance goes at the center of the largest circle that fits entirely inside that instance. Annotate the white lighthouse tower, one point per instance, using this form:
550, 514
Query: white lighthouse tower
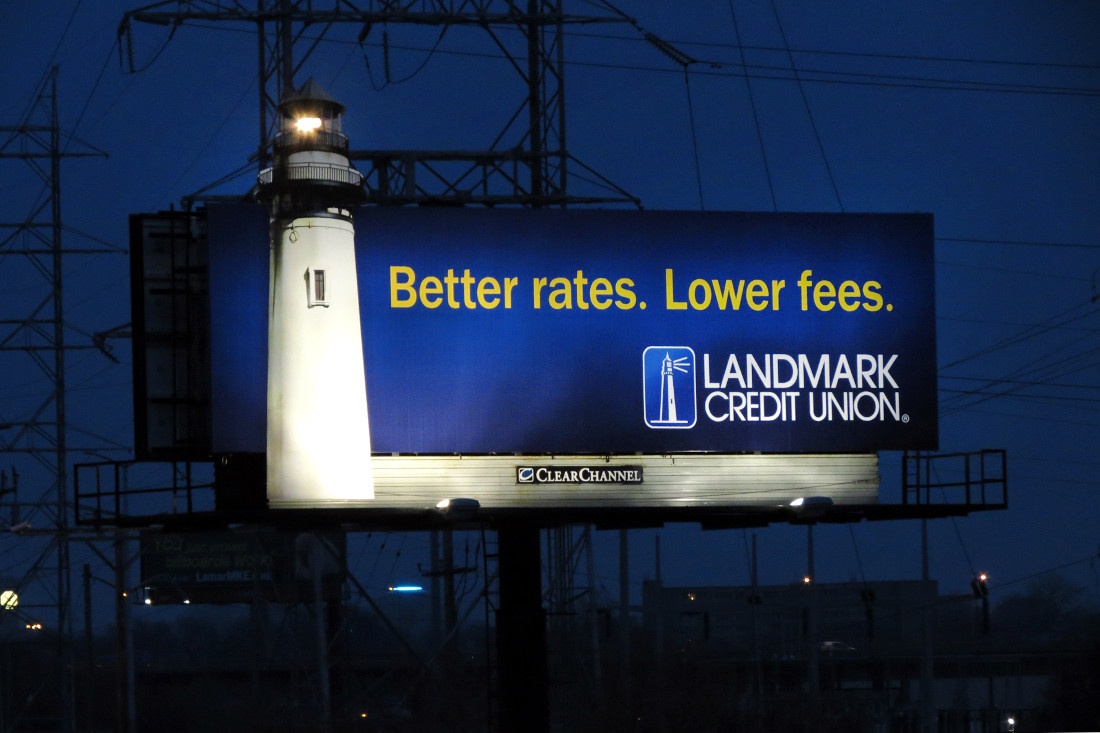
318, 433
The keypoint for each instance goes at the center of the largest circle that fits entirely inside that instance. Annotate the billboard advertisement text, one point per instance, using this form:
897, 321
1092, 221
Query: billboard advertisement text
610, 332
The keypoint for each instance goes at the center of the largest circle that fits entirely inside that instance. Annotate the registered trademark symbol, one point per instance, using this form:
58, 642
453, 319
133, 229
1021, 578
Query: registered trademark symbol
905, 418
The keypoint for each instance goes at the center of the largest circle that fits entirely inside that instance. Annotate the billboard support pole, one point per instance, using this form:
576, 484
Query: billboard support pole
927, 668
623, 631
435, 586
317, 560
521, 631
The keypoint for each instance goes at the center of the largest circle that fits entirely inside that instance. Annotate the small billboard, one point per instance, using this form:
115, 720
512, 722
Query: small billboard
236, 566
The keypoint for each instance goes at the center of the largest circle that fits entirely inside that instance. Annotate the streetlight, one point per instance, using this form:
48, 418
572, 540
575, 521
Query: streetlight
980, 588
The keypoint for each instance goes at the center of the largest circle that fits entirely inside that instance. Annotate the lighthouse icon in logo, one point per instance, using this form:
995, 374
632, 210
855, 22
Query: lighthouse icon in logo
668, 378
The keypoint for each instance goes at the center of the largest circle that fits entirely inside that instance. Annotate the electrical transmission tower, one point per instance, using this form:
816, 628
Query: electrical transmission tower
33, 422
528, 164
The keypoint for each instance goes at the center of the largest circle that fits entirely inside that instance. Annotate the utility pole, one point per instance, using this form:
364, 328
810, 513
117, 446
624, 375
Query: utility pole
125, 704
625, 687
927, 671
757, 669
593, 618
813, 666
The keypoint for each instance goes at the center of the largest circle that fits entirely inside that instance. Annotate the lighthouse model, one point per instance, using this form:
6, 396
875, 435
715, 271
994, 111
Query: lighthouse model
318, 434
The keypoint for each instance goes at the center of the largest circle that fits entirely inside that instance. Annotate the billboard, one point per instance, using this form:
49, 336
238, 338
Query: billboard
234, 566
571, 332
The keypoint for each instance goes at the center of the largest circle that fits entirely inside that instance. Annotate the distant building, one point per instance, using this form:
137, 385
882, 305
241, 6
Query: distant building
859, 648
851, 618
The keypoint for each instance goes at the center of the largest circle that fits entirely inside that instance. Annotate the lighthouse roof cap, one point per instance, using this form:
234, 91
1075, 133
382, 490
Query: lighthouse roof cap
310, 94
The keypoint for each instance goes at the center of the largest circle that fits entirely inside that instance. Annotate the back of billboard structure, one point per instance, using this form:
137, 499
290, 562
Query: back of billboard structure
608, 333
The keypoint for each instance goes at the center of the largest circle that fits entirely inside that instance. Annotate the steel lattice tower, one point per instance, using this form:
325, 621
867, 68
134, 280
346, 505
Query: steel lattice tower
528, 164
32, 254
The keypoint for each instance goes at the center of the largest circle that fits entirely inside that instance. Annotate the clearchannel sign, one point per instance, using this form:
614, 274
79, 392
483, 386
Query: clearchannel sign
611, 332
579, 474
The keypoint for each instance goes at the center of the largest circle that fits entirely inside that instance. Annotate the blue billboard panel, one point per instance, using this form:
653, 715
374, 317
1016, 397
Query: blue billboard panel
562, 331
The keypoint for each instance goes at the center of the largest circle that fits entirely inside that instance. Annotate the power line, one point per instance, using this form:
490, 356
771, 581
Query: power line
806, 106
817, 76
792, 72
755, 113
859, 54
1017, 242
1030, 332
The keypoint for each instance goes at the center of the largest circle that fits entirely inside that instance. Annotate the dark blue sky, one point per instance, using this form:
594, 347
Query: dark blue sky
986, 115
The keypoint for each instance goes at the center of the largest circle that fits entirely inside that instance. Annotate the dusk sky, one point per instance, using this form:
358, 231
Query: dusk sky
986, 115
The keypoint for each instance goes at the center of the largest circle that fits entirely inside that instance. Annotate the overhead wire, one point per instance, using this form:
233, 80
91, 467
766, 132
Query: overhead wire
1029, 332
684, 61
28, 111
807, 108
694, 141
720, 68
386, 66
1045, 371
933, 467
922, 58
755, 113
1030, 375
961, 60
1017, 243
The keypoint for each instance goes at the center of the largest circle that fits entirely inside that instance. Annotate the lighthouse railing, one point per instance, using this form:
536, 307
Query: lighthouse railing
311, 172
313, 140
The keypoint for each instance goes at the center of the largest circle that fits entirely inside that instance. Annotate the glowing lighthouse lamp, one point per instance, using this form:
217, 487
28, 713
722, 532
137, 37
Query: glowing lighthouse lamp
318, 433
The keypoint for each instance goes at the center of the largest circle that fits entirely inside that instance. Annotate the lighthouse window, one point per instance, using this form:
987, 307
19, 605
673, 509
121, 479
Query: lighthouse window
316, 284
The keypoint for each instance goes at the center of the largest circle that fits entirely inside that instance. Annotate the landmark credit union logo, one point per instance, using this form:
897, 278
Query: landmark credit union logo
668, 384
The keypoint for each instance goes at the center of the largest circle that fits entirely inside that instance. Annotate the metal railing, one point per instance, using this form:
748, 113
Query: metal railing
311, 172
109, 494
316, 139
974, 479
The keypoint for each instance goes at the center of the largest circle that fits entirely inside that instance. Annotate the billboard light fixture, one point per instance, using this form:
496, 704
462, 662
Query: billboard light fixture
458, 509
811, 507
